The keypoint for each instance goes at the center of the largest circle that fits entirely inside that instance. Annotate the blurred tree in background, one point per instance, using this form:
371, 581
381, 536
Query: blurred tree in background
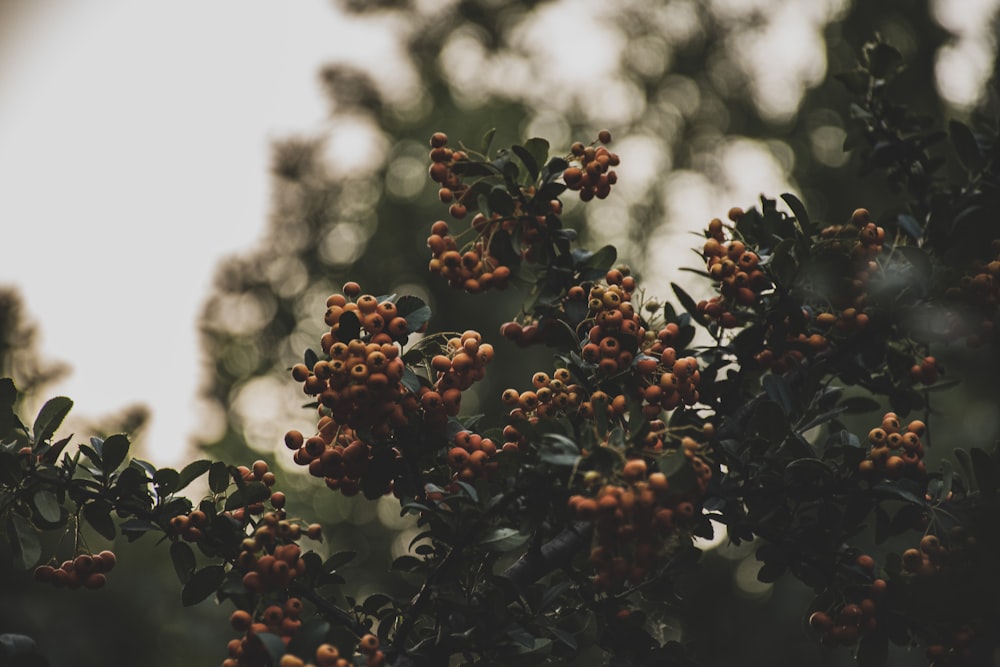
710, 103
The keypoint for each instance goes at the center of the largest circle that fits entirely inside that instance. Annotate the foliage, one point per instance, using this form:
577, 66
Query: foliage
568, 530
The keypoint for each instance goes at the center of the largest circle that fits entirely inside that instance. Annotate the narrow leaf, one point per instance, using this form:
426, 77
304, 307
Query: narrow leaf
50, 417
184, 561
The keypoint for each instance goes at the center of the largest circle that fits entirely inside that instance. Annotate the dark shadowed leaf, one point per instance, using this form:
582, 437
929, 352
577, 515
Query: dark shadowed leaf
602, 260
192, 471
309, 636
487, 141
273, 645
114, 452
686, 301
50, 417
202, 583
25, 545
965, 145
218, 477
503, 539
338, 560
873, 650
249, 493
47, 505
799, 211
98, 515
184, 561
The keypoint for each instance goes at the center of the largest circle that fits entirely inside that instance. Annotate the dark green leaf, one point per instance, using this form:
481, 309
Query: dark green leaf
687, 302
410, 380
184, 561
91, 453
309, 636
777, 389
856, 81
527, 159
47, 505
873, 650
339, 560
249, 493
965, 462
910, 225
602, 260
273, 645
113, 452
136, 528
98, 515
50, 417
499, 201
25, 545
309, 357
503, 539
202, 583
166, 480
799, 211
406, 564
985, 470
918, 258
883, 60
965, 145
558, 450
858, 404
487, 141
192, 471
418, 318
218, 477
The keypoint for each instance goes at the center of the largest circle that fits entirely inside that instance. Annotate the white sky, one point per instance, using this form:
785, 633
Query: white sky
134, 151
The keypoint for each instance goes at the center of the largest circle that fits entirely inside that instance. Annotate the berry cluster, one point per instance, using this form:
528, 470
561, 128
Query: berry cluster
792, 338
668, 382
270, 560
461, 363
737, 270
590, 171
359, 384
334, 454
981, 293
279, 619
953, 652
470, 457
442, 160
473, 268
613, 339
934, 556
551, 395
863, 240
634, 519
86, 570
895, 451
926, 372
847, 624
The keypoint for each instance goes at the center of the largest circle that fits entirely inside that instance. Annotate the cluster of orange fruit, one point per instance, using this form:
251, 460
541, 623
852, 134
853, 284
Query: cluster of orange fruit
470, 457
634, 519
472, 268
590, 172
895, 450
86, 570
